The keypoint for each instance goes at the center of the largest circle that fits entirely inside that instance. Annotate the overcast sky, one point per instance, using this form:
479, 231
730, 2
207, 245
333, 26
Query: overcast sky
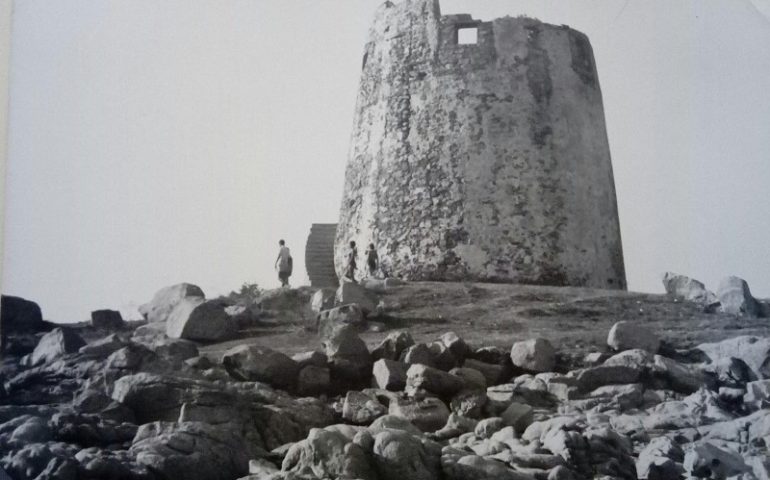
153, 142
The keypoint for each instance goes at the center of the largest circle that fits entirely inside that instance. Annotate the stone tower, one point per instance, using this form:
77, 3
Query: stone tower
483, 159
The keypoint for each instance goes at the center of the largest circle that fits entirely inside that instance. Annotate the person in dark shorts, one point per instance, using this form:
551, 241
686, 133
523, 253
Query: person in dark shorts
372, 260
350, 271
283, 263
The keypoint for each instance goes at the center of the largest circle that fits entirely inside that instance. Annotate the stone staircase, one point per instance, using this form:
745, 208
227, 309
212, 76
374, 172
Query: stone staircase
319, 255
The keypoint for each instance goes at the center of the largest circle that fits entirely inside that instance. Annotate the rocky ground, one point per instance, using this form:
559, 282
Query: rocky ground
394, 381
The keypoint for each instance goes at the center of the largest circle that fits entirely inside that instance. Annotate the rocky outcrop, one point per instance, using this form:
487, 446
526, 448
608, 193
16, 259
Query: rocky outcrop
194, 318
163, 302
735, 298
686, 288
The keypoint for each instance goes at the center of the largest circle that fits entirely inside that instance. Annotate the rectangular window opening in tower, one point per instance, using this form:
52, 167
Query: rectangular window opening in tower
467, 35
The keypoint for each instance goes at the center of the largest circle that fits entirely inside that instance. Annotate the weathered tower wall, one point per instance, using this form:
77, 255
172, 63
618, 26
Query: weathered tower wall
486, 161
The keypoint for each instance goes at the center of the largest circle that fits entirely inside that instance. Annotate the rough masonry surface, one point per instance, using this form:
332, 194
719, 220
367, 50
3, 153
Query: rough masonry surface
486, 161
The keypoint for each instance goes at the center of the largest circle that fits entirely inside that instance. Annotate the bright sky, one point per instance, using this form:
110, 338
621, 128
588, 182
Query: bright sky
157, 142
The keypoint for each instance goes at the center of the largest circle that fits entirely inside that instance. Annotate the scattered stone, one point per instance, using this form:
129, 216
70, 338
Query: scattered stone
628, 335
536, 355
261, 364
735, 298
194, 318
163, 302
689, 289
389, 374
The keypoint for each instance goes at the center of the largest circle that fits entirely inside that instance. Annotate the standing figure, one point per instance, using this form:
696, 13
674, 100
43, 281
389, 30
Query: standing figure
372, 259
283, 263
350, 271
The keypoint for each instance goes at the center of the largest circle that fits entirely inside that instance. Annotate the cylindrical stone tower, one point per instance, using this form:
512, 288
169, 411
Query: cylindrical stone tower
479, 152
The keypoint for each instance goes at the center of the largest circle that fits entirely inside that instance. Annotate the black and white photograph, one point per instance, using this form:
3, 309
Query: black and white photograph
384, 240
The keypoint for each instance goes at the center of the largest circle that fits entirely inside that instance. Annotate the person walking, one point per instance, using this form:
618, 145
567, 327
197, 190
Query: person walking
283, 263
372, 260
350, 271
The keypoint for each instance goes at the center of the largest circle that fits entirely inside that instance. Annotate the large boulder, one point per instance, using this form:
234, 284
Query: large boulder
164, 301
55, 344
194, 318
535, 355
456, 345
389, 374
261, 364
686, 288
107, 319
708, 460
349, 292
313, 380
327, 453
428, 414
735, 298
399, 455
20, 315
393, 345
754, 351
433, 380
191, 450
629, 335
349, 359
661, 459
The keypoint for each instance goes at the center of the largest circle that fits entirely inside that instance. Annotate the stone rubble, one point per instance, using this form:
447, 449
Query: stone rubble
138, 405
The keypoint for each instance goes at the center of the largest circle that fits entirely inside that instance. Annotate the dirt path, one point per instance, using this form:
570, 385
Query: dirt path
575, 320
